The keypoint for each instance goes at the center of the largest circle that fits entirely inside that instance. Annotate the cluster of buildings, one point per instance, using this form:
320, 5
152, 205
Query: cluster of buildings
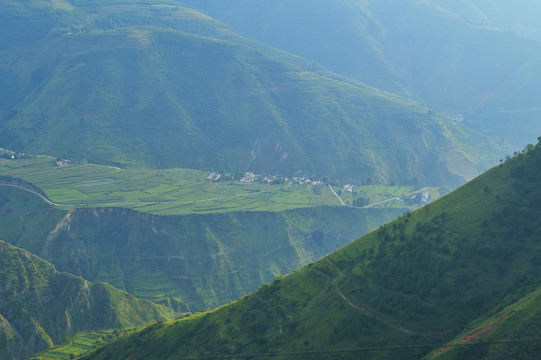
348, 188
214, 176
303, 180
423, 199
273, 179
250, 177
7, 156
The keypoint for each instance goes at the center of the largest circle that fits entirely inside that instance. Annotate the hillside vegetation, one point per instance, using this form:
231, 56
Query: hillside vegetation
159, 85
510, 333
41, 307
474, 59
191, 262
396, 293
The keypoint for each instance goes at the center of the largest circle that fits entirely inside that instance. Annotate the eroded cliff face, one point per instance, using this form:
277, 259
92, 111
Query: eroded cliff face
196, 262
40, 307
190, 262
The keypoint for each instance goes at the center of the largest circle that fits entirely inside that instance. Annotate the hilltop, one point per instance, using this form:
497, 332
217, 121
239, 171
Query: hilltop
420, 280
160, 85
41, 307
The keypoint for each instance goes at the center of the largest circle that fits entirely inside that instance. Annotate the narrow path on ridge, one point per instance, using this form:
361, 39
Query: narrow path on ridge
363, 309
33, 192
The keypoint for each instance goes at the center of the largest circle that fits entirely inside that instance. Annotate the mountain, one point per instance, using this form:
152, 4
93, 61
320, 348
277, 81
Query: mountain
399, 292
189, 263
160, 85
466, 58
504, 14
40, 307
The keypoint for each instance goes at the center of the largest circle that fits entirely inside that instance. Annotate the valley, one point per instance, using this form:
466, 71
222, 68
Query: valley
461, 273
205, 97
184, 191
186, 259
474, 58
33, 319
194, 179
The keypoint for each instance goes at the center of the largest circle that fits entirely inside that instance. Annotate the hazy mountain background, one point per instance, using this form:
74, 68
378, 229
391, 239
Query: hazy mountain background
474, 58
159, 85
522, 18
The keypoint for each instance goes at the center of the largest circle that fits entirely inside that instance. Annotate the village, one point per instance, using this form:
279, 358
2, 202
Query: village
250, 177
416, 198
6, 155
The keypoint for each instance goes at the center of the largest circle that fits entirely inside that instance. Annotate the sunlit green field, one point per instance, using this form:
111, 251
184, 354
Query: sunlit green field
80, 344
180, 191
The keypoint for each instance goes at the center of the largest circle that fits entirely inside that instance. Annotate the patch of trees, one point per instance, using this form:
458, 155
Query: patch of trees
360, 202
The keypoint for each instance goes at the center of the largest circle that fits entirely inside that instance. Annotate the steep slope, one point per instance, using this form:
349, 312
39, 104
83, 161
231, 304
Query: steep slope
508, 333
456, 56
161, 85
396, 293
522, 19
40, 307
191, 262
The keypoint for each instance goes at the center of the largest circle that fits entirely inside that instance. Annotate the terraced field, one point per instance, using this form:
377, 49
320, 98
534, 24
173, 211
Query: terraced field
179, 191
80, 344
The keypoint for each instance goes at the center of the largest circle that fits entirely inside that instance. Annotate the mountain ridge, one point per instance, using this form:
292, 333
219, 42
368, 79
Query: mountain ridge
215, 102
41, 307
421, 279
463, 58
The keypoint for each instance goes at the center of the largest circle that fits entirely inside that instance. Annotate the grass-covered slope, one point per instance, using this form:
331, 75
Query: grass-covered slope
82, 343
191, 262
460, 57
161, 85
508, 333
41, 307
419, 280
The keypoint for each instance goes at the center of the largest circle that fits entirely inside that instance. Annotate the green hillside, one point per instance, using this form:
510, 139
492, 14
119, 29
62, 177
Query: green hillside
191, 262
398, 292
461, 57
41, 307
159, 85
80, 344
509, 333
